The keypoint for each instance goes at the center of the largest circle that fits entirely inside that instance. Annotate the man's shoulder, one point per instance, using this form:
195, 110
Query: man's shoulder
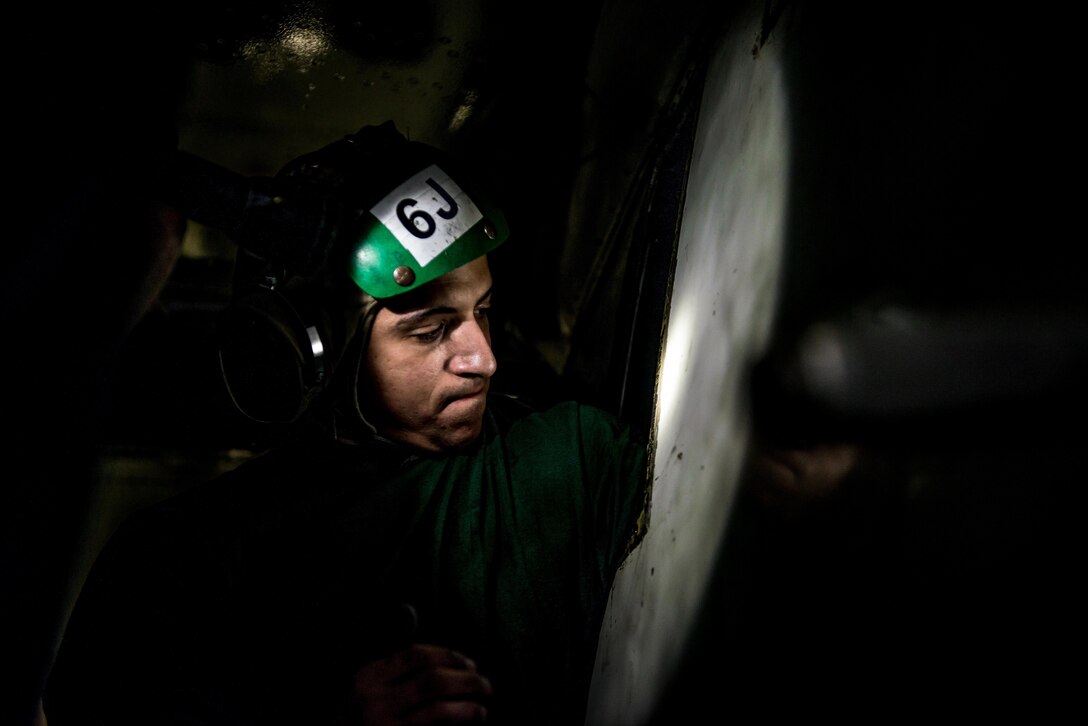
510, 408
262, 481
574, 418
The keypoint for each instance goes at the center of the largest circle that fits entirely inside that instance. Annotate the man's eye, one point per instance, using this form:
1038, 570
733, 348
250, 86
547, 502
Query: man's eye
483, 312
430, 336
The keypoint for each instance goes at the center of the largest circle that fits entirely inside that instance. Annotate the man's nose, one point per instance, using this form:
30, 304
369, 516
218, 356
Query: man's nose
472, 354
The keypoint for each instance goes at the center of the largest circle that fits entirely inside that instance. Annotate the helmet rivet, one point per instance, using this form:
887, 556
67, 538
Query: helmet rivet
404, 276
489, 229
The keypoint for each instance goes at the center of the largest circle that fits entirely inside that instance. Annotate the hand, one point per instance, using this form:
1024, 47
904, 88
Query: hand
421, 684
787, 477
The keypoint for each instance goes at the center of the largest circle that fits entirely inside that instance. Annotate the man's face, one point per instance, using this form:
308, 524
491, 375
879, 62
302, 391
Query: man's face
429, 362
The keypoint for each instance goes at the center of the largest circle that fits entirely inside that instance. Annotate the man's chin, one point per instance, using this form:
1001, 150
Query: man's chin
461, 436
446, 438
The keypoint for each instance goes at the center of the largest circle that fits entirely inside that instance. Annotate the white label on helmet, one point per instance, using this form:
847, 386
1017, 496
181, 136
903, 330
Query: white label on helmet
427, 213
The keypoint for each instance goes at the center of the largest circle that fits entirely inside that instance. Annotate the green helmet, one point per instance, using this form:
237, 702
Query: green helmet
410, 213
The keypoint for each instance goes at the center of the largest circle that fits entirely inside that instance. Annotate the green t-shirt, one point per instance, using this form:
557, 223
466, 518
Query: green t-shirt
260, 593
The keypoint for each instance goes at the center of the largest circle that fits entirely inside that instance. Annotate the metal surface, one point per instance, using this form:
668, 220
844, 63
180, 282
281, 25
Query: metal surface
722, 309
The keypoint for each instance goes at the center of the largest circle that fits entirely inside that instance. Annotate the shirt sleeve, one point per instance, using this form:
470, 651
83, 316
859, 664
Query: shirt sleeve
616, 460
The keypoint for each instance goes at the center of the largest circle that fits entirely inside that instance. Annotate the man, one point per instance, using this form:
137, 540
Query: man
420, 550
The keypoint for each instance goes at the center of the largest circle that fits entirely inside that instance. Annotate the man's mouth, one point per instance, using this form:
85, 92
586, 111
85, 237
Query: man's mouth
467, 395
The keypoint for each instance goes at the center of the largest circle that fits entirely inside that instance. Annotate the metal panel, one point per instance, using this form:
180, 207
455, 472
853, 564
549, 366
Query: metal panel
721, 315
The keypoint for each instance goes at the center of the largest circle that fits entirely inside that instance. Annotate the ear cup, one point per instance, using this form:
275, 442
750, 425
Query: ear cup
272, 359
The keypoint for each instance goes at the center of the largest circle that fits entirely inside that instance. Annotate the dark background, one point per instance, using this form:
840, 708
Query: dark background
938, 168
